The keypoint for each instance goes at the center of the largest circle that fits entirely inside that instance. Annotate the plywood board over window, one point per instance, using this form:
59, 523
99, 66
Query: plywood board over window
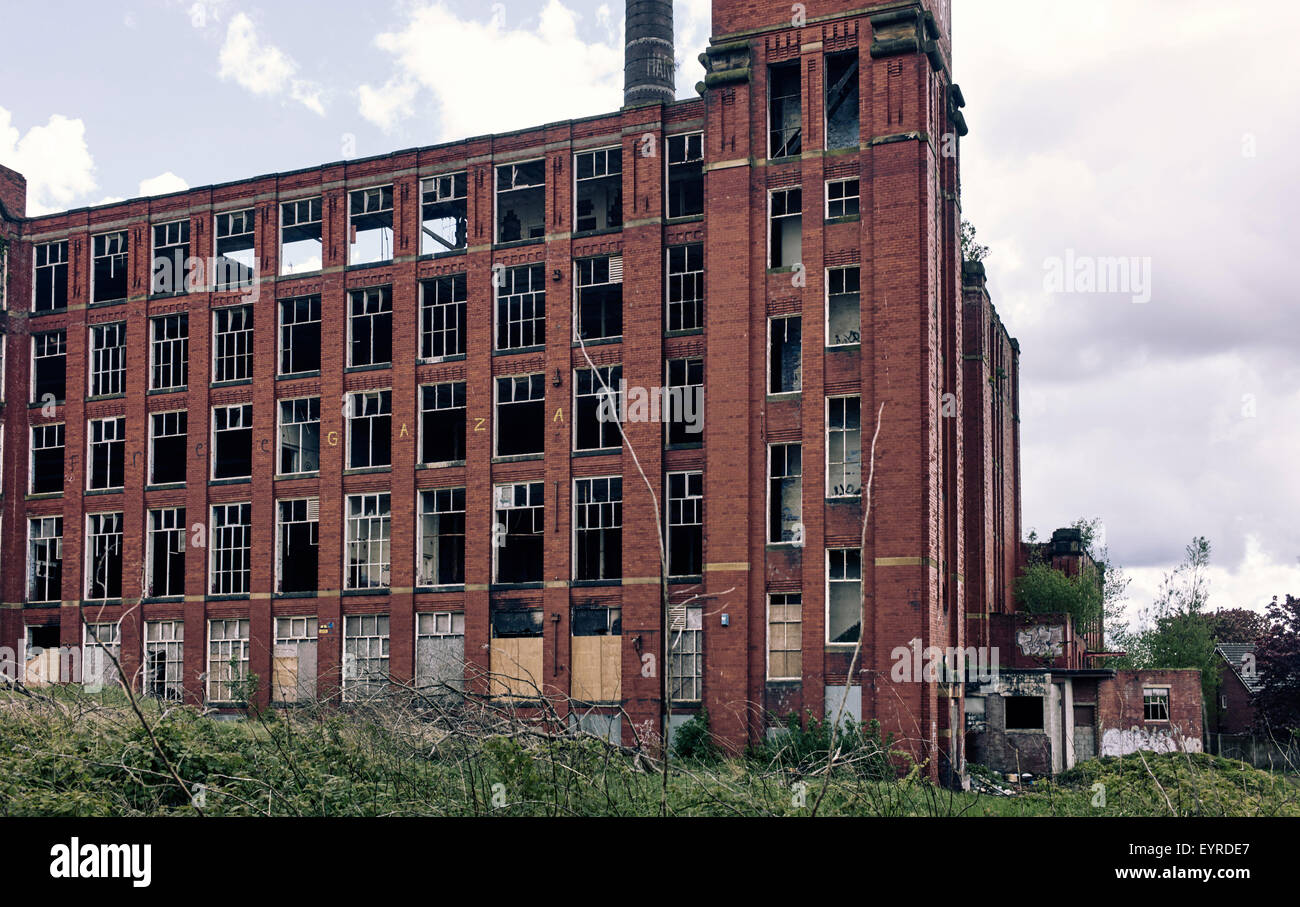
597, 668
516, 667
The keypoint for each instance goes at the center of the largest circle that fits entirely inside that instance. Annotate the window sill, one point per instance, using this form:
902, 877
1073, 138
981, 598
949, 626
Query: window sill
44, 496
294, 275
288, 476
845, 219
57, 403
309, 594
439, 590
685, 219
167, 390
845, 499
54, 604
446, 253
293, 376
99, 398
40, 313
536, 348
377, 366
242, 480
115, 602
105, 303
363, 265
784, 546
165, 486
685, 332
785, 681
686, 445
518, 458
361, 593
367, 470
232, 597
516, 243
784, 395
162, 599
593, 583
602, 452
175, 294
844, 348
233, 382
685, 580
95, 492
597, 341
452, 357
604, 231
441, 464
788, 269
514, 587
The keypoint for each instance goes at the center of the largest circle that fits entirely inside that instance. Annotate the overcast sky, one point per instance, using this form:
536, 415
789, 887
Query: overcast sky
1160, 131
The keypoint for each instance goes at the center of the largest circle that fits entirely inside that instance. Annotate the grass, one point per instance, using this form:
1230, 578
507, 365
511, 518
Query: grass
73, 754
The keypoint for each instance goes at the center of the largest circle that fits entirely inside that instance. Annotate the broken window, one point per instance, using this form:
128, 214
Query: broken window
521, 307
519, 532
108, 267
440, 651
685, 654
842, 198
598, 528
521, 415
168, 456
600, 297
232, 347
1155, 703
597, 408
297, 544
299, 335
47, 458
843, 595
442, 317
301, 249
843, 307
49, 367
365, 655
842, 100
785, 370
597, 650
444, 215
293, 663
598, 191
370, 429
166, 554
171, 252
685, 404
227, 659
169, 352
685, 174
785, 493
164, 658
370, 327
785, 238
1023, 713
442, 422
103, 556
51, 279
442, 537
107, 359
45, 559
521, 201
685, 524
232, 441
107, 453
102, 643
368, 555
785, 110
230, 549
686, 287
370, 225
299, 436
785, 636
236, 262
843, 447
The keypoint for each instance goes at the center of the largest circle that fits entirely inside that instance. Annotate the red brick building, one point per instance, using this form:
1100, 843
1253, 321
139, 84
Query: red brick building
364, 443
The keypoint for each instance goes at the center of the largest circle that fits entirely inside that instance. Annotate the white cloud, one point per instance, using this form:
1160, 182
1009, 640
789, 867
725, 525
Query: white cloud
54, 158
264, 69
163, 184
540, 72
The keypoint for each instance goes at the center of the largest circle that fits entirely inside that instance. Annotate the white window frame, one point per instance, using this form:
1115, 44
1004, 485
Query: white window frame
368, 193
157, 529
669, 163
436, 496
846, 580
830, 344
433, 287
843, 199
607, 515
377, 550
796, 542
1162, 692
684, 278
383, 296
170, 641
44, 428
375, 630
242, 408
534, 296
119, 423
62, 246
180, 342
318, 221
786, 603
358, 400
222, 580
845, 464
54, 538
281, 424
107, 380
602, 155
224, 648
312, 507
242, 360
247, 218
153, 435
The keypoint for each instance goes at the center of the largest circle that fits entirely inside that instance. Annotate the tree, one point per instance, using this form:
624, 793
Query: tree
970, 249
1174, 632
1237, 625
1277, 659
1042, 589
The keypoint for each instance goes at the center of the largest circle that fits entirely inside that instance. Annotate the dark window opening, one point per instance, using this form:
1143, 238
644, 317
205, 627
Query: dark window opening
442, 537
1024, 713
786, 367
521, 415
167, 552
843, 307
842, 100
232, 352
600, 297
519, 532
232, 444
785, 110
596, 621
299, 335
51, 290
685, 524
104, 567
598, 199
685, 174
597, 407
370, 430
444, 216
49, 367
370, 327
785, 235
442, 317
299, 435
107, 453
516, 622
686, 287
521, 307
299, 544
685, 401
109, 274
521, 201
169, 457
442, 422
47, 459
598, 529
171, 253
785, 493
171, 352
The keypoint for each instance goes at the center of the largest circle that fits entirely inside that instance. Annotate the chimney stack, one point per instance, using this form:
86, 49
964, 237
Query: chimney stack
649, 67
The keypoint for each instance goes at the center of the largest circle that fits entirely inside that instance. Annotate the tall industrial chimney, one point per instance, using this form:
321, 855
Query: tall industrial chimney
648, 62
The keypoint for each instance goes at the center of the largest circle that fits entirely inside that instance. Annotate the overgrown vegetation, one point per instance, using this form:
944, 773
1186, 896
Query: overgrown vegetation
67, 753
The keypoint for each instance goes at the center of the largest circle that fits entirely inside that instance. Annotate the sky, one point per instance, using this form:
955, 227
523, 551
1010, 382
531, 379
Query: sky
1162, 398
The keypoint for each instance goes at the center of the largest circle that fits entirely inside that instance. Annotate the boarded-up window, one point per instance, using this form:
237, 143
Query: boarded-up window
516, 662
440, 652
597, 654
293, 663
